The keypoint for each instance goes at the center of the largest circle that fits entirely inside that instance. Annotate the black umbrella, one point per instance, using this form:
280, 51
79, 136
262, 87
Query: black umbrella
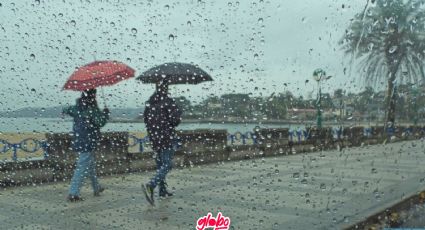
175, 73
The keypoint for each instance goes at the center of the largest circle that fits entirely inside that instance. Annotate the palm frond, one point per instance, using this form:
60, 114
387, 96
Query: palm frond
396, 25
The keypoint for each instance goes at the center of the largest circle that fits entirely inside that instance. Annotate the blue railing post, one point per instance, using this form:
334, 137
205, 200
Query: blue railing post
44, 146
368, 132
409, 131
291, 135
15, 151
254, 138
299, 135
243, 137
142, 144
390, 131
306, 135
232, 139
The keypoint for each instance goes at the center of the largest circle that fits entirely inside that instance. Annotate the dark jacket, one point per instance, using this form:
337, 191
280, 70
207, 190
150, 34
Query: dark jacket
161, 118
88, 120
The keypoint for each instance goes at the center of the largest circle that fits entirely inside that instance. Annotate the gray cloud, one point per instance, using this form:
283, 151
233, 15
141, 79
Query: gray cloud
248, 46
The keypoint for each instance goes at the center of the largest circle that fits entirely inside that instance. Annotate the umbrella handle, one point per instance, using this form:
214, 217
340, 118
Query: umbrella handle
103, 97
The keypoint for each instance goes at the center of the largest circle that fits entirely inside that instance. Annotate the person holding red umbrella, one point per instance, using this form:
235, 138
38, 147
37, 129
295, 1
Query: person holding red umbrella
88, 118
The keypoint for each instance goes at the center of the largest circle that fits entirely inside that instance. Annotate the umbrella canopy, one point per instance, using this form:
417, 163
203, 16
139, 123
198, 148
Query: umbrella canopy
175, 73
98, 73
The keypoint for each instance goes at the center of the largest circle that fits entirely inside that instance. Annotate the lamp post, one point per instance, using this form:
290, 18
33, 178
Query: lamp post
319, 75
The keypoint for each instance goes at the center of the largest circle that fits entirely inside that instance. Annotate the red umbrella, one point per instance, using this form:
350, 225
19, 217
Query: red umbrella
98, 73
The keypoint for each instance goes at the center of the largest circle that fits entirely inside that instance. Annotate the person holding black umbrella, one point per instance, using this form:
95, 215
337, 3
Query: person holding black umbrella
161, 117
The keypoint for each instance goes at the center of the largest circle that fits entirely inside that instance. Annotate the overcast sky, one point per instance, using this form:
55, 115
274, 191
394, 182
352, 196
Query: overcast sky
247, 46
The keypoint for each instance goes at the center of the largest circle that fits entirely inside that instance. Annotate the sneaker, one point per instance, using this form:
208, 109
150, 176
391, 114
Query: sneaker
163, 190
148, 191
165, 194
99, 191
72, 198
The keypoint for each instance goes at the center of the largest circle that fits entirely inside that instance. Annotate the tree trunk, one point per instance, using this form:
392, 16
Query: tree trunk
391, 100
391, 95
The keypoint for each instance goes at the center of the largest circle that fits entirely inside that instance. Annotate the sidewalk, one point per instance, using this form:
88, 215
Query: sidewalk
327, 190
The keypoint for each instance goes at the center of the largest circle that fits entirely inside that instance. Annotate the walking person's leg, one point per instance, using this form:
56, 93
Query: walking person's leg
159, 164
166, 165
80, 172
97, 189
166, 157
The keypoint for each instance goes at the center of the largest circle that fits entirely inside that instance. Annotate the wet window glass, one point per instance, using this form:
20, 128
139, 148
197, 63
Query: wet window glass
195, 114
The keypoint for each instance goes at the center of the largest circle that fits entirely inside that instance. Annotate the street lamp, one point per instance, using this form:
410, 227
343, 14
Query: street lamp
319, 75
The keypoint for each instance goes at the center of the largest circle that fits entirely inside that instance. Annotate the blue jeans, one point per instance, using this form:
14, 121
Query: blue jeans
86, 167
164, 163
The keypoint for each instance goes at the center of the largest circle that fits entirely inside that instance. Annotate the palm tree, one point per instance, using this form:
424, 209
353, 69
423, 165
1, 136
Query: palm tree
389, 40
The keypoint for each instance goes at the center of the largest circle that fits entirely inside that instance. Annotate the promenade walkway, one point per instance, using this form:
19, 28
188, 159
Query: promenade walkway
322, 190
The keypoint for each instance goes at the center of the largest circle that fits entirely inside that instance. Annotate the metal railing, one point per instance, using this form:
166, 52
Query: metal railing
31, 145
142, 142
241, 137
28, 145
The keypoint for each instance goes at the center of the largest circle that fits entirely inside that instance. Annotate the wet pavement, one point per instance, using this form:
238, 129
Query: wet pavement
322, 190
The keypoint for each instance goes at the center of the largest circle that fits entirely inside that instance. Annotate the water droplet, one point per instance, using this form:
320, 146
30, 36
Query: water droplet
32, 56
133, 30
167, 7
171, 37
189, 23
73, 22
392, 49
260, 20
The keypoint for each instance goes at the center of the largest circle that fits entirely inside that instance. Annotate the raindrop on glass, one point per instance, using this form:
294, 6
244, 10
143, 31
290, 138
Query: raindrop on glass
392, 49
